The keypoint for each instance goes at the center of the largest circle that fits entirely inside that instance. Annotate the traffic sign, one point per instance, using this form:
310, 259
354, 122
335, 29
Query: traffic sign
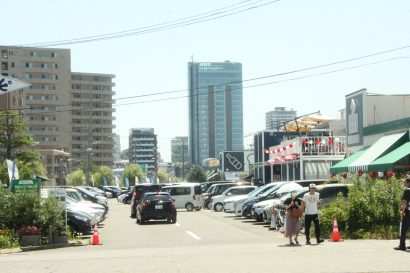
8, 84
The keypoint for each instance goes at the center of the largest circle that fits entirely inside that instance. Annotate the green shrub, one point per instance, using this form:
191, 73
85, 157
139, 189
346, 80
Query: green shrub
28, 209
8, 239
371, 211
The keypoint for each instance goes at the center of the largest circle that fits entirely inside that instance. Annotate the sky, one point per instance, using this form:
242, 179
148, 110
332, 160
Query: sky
274, 38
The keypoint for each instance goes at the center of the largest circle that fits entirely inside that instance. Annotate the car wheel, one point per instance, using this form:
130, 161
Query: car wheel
132, 215
259, 218
209, 206
189, 207
197, 208
218, 207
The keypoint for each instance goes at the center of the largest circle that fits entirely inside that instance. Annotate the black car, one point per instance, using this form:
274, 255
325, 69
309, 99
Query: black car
156, 206
138, 192
79, 222
115, 191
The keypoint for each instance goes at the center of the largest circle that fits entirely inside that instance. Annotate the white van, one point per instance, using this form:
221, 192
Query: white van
186, 195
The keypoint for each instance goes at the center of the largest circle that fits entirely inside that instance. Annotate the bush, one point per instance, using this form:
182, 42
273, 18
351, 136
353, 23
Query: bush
8, 239
23, 210
371, 211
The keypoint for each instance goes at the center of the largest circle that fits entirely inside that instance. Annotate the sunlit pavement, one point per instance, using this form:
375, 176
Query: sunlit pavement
205, 241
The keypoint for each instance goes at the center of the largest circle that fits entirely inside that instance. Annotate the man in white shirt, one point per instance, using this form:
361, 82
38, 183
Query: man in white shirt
310, 203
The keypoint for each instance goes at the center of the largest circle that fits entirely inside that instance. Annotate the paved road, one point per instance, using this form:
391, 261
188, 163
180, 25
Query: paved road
205, 241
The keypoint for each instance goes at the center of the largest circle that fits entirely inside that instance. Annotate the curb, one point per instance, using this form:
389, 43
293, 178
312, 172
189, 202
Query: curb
10, 250
44, 247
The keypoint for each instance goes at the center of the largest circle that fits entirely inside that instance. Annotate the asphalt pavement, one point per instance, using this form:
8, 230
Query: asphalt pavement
205, 241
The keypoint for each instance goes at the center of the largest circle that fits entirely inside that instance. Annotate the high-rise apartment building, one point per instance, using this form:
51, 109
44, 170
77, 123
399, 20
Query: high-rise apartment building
275, 119
179, 150
143, 149
92, 118
215, 109
57, 110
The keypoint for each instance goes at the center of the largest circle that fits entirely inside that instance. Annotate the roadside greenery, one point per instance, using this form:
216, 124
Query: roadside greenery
196, 174
370, 212
131, 171
76, 178
23, 210
98, 176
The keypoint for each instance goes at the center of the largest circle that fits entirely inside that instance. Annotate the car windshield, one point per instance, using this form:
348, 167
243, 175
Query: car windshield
271, 190
87, 192
211, 189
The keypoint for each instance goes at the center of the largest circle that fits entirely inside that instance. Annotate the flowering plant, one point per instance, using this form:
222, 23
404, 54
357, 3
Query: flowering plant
30, 230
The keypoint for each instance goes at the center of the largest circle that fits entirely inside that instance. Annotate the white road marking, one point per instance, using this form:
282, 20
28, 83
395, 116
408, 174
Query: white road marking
177, 224
193, 235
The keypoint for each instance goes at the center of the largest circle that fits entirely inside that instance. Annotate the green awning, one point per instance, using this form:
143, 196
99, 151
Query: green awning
342, 165
389, 161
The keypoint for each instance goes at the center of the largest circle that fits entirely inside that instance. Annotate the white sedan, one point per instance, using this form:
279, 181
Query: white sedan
217, 201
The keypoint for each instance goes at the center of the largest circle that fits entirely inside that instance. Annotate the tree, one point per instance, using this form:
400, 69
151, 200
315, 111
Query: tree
103, 171
131, 171
196, 174
163, 177
14, 138
76, 178
27, 170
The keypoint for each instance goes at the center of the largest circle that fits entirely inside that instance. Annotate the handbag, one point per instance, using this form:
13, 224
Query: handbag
297, 213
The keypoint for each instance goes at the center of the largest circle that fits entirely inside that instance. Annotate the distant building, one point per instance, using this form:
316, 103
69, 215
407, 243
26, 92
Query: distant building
66, 111
215, 109
143, 149
179, 150
117, 148
274, 119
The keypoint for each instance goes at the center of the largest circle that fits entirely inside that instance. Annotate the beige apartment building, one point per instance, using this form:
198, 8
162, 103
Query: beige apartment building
92, 118
60, 107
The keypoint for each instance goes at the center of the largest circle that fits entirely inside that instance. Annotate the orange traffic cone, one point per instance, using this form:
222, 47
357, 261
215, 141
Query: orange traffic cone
335, 233
96, 238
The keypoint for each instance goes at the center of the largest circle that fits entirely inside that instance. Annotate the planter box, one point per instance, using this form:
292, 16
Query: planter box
30, 240
63, 239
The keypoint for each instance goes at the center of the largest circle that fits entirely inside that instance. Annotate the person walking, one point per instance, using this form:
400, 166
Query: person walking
310, 204
293, 207
405, 215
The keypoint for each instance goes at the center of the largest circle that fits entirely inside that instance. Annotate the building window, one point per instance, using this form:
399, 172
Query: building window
55, 66
4, 54
29, 65
13, 65
4, 65
54, 55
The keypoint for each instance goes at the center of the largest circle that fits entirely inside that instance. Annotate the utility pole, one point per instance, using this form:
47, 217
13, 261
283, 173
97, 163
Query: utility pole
183, 160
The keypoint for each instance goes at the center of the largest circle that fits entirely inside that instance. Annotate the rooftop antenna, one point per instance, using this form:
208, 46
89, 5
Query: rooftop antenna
192, 57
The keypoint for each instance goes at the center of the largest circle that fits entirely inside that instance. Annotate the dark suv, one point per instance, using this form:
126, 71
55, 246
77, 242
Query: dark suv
138, 192
156, 206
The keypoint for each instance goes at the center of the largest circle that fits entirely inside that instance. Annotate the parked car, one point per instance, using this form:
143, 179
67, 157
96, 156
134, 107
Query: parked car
95, 215
258, 208
93, 197
238, 206
206, 185
186, 195
79, 221
219, 188
115, 191
216, 201
95, 189
327, 194
156, 206
75, 195
138, 192
125, 197
270, 194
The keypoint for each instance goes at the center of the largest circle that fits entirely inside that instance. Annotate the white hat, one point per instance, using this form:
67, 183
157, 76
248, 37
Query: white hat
312, 186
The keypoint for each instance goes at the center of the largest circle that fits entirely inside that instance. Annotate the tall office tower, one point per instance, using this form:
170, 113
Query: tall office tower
143, 149
275, 119
92, 118
215, 109
53, 108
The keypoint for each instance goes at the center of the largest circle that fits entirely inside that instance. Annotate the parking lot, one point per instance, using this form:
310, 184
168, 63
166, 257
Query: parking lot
205, 241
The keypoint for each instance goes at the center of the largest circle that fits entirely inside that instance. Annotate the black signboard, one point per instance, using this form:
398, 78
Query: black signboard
233, 161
